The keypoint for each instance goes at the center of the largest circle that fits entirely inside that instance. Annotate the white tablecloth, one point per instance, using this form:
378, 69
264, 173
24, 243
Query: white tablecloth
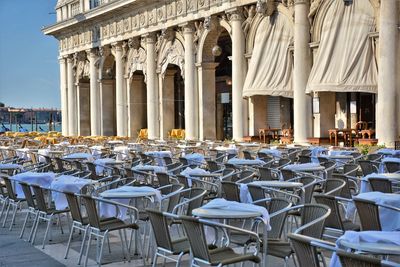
159, 155
236, 161
223, 204
42, 179
74, 156
122, 152
302, 167
189, 172
195, 159
108, 210
366, 187
390, 219
151, 168
43, 152
96, 151
66, 183
22, 153
377, 237
388, 152
6, 166
340, 152
230, 150
100, 163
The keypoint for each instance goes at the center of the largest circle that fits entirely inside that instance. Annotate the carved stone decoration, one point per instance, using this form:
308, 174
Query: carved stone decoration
260, 7
190, 5
207, 23
136, 60
199, 29
179, 7
270, 8
167, 34
315, 4
81, 66
249, 13
172, 53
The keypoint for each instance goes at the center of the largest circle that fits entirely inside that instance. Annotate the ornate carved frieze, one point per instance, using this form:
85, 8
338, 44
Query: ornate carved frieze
133, 22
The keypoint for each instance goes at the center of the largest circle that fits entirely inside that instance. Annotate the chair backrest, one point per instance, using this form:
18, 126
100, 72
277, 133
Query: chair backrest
345, 191
368, 212
174, 197
306, 254
231, 190
374, 157
304, 159
40, 198
334, 220
28, 194
322, 159
174, 168
283, 162
74, 206
92, 168
329, 168
380, 185
277, 222
213, 166
91, 210
357, 260
163, 180
287, 174
49, 162
350, 169
10, 190
159, 223
334, 186
310, 213
246, 176
256, 192
266, 174
392, 166
247, 154
367, 167
167, 160
196, 198
197, 238
308, 187
59, 164
305, 152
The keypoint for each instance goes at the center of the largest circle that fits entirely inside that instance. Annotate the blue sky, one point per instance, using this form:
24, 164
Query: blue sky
29, 71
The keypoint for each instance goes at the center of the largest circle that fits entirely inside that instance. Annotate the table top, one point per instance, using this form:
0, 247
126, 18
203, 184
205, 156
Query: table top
131, 194
224, 214
277, 184
306, 167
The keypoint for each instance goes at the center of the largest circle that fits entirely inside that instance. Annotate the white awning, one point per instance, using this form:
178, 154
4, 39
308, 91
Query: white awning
345, 60
271, 65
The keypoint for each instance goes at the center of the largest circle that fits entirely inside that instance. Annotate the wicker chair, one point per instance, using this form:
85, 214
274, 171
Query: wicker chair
267, 174
304, 159
13, 201
356, 260
392, 166
368, 167
247, 154
220, 256
380, 185
231, 190
32, 209
335, 221
334, 186
368, 212
47, 211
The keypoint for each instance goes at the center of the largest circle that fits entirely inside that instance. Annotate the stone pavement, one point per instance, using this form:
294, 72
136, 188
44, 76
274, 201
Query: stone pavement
15, 252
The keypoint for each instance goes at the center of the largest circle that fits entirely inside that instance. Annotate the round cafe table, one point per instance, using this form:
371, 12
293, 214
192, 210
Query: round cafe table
277, 184
305, 167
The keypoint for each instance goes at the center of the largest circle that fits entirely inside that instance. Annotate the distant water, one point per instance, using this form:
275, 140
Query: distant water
45, 127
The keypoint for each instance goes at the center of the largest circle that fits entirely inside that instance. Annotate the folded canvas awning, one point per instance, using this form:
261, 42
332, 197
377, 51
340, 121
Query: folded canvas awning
345, 60
271, 65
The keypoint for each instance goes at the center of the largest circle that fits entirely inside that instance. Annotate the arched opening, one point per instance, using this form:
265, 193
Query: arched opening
137, 102
108, 97
173, 98
223, 87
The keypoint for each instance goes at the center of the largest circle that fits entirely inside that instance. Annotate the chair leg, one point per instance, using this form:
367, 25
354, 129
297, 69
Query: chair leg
88, 247
47, 230
83, 244
35, 220
24, 225
122, 243
69, 241
101, 248
7, 211
155, 259
16, 205
5, 203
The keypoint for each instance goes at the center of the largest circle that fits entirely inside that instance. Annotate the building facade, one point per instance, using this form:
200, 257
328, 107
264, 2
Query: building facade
225, 68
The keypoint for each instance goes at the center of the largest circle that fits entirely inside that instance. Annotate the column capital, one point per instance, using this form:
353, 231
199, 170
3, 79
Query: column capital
117, 46
62, 59
301, 2
92, 53
235, 14
188, 28
207, 65
70, 58
150, 38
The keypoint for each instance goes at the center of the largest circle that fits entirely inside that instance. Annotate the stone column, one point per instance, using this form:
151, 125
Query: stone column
386, 123
207, 103
121, 108
153, 127
95, 118
301, 71
190, 84
64, 95
239, 67
72, 100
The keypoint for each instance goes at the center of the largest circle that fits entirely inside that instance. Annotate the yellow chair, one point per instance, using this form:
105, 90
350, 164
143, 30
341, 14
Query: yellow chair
143, 134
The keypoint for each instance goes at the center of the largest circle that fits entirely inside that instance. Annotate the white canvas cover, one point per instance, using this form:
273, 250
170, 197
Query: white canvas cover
271, 65
345, 60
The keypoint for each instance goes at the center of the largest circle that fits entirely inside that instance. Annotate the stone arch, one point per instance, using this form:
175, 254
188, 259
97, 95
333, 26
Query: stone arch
171, 51
282, 9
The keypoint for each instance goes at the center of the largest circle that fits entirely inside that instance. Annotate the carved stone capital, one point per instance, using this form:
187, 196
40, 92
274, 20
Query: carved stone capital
235, 14
301, 2
150, 38
188, 28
